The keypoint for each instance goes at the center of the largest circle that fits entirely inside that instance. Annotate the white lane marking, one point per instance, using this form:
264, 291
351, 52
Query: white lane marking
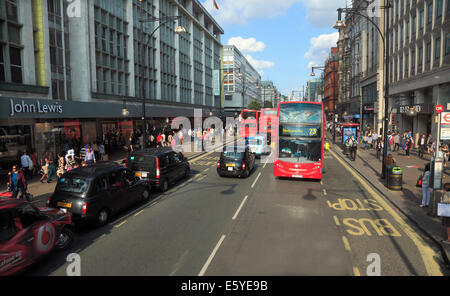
240, 207
210, 258
256, 180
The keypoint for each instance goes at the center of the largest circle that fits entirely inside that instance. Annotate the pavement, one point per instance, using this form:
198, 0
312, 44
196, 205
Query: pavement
407, 200
42, 191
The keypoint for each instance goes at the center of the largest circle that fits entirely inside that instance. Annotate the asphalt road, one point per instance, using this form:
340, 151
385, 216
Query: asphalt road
207, 225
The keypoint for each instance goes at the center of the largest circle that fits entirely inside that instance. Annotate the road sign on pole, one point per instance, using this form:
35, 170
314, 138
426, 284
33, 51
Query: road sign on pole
438, 109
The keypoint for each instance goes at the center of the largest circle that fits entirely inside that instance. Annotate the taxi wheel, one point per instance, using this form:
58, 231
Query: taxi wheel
187, 173
102, 217
165, 185
146, 195
65, 239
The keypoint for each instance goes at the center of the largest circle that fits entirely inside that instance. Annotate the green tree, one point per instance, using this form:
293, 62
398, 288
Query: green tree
254, 105
268, 104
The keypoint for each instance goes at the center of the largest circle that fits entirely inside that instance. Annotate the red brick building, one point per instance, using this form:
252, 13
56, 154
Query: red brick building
330, 82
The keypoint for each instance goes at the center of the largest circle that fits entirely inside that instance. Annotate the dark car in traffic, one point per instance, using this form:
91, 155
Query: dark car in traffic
28, 233
158, 167
96, 192
236, 162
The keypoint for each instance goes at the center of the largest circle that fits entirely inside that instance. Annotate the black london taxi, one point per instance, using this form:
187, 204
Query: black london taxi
158, 167
236, 162
96, 192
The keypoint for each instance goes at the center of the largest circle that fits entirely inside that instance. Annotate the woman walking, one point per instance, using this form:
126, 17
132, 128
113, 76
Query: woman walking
426, 193
18, 182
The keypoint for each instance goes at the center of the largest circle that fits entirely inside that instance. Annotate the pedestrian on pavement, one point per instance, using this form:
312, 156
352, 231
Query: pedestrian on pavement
60, 171
70, 164
426, 193
379, 147
27, 165
422, 145
445, 199
18, 182
353, 148
397, 141
365, 141
90, 157
408, 146
370, 140
44, 168
374, 137
33, 157
130, 147
429, 143
51, 169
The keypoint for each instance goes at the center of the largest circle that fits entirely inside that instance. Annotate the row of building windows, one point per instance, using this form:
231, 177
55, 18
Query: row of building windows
10, 44
425, 53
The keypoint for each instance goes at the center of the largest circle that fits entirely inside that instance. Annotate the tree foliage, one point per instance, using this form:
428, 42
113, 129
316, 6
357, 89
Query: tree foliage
254, 105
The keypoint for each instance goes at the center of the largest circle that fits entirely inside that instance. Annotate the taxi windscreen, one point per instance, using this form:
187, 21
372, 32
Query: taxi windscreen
73, 184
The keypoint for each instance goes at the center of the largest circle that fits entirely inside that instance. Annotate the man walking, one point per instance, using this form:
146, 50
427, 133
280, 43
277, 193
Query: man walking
397, 141
353, 148
27, 164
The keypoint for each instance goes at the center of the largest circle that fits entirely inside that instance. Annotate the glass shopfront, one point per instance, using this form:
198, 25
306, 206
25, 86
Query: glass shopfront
14, 140
62, 135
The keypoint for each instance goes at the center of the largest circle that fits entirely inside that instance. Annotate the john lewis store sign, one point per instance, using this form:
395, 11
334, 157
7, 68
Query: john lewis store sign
35, 107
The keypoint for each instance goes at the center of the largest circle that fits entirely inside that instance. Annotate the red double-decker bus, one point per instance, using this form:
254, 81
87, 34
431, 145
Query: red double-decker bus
267, 122
300, 140
249, 123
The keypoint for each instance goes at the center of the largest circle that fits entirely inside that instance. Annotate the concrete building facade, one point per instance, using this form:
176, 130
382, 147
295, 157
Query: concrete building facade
241, 81
68, 71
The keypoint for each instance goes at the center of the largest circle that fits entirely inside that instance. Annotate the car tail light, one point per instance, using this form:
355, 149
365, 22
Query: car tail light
243, 166
84, 208
218, 164
157, 168
126, 162
48, 201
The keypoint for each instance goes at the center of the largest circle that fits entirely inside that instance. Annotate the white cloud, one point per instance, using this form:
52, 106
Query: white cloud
320, 48
247, 45
321, 13
259, 65
239, 12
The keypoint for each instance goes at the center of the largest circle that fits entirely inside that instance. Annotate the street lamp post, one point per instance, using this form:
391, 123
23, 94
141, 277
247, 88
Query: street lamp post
385, 38
162, 21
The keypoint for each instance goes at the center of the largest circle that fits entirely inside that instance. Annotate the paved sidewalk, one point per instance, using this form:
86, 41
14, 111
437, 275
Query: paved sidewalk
42, 191
407, 200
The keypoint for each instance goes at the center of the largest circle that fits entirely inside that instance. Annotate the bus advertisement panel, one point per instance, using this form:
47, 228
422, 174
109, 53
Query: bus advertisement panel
300, 140
249, 123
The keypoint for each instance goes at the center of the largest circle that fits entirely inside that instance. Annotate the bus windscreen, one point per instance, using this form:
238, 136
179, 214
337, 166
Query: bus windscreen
301, 113
248, 115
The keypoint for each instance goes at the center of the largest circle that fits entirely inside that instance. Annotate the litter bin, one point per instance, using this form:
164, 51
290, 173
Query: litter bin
395, 179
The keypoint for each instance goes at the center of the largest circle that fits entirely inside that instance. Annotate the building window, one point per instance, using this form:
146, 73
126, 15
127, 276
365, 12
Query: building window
439, 5
10, 45
437, 50
420, 60
428, 52
413, 62
421, 20
413, 28
447, 43
430, 13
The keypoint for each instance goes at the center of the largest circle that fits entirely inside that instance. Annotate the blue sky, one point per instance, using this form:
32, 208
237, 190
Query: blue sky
281, 38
